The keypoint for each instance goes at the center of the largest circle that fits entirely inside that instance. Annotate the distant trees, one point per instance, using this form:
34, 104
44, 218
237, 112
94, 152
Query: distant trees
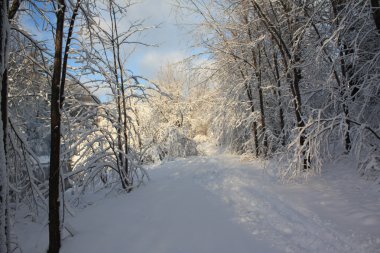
175, 114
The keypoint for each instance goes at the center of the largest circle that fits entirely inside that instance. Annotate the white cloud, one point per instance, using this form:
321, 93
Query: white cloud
152, 61
172, 41
153, 10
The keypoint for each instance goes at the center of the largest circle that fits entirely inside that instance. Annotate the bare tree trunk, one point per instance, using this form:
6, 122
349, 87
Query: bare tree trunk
295, 78
261, 100
249, 92
254, 126
4, 107
337, 7
66, 54
252, 107
14, 8
281, 112
54, 217
4, 83
123, 98
4, 33
257, 70
4, 119
376, 13
123, 161
272, 61
6, 16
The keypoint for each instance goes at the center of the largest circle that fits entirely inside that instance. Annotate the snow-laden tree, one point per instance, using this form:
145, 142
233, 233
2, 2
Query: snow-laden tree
105, 50
294, 76
90, 144
169, 118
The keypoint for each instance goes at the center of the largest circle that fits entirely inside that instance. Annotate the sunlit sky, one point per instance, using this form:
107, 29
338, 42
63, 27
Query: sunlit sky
172, 37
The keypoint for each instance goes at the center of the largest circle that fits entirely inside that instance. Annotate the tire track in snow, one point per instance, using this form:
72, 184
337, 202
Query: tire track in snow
268, 215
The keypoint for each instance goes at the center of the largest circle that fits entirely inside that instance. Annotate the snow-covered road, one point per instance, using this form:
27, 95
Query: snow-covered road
173, 213
221, 204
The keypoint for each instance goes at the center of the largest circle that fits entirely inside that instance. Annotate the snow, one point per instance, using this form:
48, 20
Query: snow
170, 215
44, 159
219, 203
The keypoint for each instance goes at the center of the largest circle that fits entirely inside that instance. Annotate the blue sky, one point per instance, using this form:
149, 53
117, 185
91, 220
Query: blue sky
172, 39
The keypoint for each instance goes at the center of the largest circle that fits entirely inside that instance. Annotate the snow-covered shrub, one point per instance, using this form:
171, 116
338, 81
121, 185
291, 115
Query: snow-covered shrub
173, 144
174, 116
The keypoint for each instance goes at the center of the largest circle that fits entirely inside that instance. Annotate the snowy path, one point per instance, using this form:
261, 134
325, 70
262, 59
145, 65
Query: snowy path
171, 214
223, 205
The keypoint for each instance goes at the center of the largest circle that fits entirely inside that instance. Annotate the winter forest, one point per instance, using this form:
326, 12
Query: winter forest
265, 137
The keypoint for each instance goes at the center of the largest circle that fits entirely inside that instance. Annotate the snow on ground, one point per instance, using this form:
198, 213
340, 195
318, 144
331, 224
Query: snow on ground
218, 203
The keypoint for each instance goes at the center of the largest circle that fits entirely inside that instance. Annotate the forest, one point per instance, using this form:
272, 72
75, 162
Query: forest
290, 82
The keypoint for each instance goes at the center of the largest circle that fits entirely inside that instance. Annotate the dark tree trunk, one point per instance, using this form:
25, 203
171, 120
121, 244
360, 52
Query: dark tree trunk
4, 236
295, 78
281, 111
248, 90
14, 8
252, 107
66, 54
123, 98
257, 70
5, 15
122, 160
4, 107
126, 151
261, 100
54, 217
254, 126
347, 82
376, 13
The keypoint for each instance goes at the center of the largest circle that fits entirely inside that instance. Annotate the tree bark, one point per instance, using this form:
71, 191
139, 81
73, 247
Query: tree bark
122, 160
293, 79
256, 58
13, 9
66, 54
4, 107
54, 203
261, 100
376, 13
4, 194
123, 98
337, 7
281, 111
252, 107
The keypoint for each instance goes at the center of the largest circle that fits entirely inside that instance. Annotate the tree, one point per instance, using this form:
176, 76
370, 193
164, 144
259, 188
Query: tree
4, 31
54, 206
106, 55
376, 13
293, 76
88, 148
